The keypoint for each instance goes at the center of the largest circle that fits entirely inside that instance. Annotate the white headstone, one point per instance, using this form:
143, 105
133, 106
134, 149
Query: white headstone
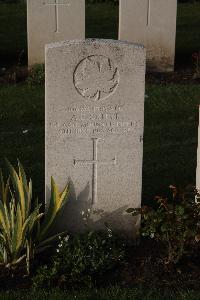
94, 129
51, 21
153, 24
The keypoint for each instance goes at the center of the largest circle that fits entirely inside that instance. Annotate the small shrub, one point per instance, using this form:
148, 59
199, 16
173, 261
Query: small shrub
80, 260
36, 75
174, 221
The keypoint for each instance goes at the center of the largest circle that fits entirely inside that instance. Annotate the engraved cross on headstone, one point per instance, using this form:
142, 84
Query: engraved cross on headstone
148, 12
95, 162
56, 5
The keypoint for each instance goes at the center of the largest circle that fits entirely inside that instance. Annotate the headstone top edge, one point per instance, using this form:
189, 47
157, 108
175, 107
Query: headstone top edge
94, 41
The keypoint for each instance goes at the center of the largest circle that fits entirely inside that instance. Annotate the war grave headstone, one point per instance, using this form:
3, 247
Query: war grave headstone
94, 130
153, 24
51, 21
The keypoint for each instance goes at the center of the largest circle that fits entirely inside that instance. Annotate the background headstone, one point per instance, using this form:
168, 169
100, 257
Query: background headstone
94, 130
52, 21
153, 24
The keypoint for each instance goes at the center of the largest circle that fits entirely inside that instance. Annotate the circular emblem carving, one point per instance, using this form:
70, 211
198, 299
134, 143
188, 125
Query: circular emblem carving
96, 77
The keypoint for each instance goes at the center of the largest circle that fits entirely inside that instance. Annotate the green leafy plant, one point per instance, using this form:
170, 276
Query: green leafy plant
81, 259
174, 221
16, 220
36, 75
23, 227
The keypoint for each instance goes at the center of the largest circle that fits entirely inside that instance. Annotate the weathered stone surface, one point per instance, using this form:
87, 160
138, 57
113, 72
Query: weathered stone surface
51, 21
153, 24
94, 130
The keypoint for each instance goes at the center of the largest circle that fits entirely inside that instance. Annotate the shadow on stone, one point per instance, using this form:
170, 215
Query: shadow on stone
79, 215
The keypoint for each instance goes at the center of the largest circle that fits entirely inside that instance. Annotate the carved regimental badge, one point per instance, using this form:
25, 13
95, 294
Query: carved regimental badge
96, 77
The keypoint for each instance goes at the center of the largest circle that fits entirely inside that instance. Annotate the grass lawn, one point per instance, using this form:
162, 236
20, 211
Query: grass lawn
101, 22
104, 294
170, 137
13, 33
188, 32
22, 109
170, 141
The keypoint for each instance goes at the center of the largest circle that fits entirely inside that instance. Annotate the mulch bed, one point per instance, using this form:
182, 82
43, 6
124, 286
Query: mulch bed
177, 77
13, 75
146, 266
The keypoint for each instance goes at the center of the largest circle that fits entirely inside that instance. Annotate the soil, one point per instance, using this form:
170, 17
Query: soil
146, 266
15, 279
13, 75
178, 77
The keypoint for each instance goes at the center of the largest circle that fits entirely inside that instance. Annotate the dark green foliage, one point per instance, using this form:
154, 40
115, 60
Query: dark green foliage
36, 75
188, 1
188, 33
196, 64
114, 293
81, 260
12, 1
170, 137
175, 221
22, 131
102, 21
13, 33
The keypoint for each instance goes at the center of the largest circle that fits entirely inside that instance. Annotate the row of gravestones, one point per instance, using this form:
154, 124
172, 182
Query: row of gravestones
95, 109
149, 22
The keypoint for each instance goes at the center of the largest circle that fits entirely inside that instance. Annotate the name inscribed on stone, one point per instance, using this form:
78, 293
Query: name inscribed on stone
95, 120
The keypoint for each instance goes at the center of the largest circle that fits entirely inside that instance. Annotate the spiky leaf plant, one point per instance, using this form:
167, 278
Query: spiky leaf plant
21, 218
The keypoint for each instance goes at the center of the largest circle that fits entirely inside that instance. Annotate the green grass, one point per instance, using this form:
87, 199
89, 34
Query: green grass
114, 293
170, 140
170, 137
101, 22
188, 32
22, 108
13, 32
